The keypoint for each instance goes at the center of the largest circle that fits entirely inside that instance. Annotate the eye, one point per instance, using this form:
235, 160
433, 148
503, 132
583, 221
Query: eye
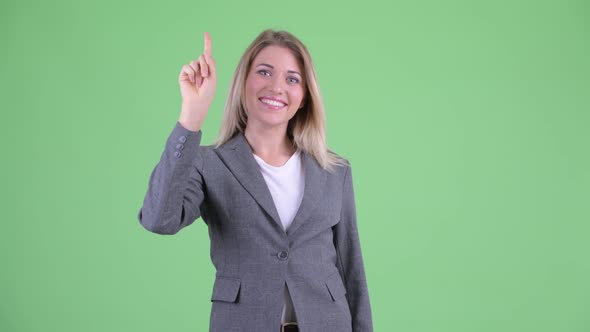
293, 80
263, 72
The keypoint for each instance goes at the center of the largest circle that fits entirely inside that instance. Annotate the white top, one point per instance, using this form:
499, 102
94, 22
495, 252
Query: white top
286, 184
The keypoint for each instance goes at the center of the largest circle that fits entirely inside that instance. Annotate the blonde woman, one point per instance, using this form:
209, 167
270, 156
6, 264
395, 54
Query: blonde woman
278, 204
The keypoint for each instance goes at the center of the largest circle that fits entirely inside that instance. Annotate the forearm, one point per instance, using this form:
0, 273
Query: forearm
174, 193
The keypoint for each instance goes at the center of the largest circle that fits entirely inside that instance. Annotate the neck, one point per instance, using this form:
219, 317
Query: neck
269, 141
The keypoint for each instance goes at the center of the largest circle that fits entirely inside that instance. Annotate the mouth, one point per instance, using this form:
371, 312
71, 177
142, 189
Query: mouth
272, 103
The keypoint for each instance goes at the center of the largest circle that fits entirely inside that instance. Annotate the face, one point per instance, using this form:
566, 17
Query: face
274, 88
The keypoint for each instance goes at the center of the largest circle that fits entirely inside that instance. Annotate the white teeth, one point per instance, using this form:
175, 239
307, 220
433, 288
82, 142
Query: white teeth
272, 102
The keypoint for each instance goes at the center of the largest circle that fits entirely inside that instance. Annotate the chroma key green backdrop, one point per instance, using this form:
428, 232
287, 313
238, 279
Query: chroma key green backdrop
466, 123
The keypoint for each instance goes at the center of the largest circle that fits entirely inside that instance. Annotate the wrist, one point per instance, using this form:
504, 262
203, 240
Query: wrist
189, 123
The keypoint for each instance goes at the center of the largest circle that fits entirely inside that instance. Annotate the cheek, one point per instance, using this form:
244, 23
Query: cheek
298, 96
253, 85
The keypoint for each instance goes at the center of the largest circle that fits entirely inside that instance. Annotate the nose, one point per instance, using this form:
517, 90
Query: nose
276, 84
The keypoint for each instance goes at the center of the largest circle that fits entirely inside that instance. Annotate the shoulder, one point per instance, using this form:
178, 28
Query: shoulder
340, 161
336, 165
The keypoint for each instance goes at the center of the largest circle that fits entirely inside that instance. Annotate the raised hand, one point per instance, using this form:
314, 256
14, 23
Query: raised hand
197, 81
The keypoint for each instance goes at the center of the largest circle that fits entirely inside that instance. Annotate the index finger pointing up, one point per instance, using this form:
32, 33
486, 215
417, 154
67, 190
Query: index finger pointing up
207, 43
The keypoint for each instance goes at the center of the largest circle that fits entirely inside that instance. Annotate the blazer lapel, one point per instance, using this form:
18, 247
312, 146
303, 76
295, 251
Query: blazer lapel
237, 155
315, 177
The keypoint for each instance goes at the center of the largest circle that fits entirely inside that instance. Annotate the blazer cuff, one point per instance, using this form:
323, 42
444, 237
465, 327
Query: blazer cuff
182, 144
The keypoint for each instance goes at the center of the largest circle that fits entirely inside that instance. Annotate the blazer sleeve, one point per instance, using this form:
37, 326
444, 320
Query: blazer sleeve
175, 192
350, 260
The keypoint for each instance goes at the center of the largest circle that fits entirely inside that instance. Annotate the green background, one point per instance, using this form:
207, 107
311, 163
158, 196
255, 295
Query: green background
466, 123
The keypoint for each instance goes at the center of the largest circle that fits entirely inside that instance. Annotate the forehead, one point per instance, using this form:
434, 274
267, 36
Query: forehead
279, 57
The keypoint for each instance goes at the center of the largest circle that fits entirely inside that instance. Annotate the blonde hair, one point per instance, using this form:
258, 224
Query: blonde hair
307, 128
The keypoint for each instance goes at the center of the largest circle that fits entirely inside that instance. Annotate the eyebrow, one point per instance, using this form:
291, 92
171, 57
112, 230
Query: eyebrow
271, 67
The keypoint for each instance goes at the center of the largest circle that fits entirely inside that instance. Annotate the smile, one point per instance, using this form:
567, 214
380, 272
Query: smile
273, 104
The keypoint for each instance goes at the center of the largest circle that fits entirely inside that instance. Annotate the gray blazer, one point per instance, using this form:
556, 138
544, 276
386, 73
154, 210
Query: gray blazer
318, 258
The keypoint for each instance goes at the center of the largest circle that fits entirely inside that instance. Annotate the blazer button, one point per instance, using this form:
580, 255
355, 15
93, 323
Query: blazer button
182, 139
283, 255
179, 146
177, 154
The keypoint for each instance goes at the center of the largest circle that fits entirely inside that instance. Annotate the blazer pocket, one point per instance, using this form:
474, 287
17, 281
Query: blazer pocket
226, 289
335, 286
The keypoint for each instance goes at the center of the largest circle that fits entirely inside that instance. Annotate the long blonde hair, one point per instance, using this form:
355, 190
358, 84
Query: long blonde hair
307, 128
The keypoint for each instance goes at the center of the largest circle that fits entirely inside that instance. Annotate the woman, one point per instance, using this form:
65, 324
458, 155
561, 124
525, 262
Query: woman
279, 205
